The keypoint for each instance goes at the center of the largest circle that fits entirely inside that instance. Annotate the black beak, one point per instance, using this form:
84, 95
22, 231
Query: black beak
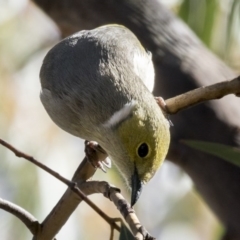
136, 187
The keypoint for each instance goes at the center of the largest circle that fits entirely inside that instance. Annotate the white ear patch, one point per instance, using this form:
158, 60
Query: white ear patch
120, 115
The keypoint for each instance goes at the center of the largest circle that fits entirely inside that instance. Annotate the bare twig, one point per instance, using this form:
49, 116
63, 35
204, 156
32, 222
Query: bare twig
72, 185
29, 220
34, 161
67, 204
202, 94
96, 209
122, 205
87, 188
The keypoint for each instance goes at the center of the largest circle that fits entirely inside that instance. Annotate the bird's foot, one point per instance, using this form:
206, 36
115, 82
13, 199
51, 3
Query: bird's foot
162, 104
97, 156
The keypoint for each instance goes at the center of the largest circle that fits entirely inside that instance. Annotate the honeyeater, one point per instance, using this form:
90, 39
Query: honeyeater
96, 85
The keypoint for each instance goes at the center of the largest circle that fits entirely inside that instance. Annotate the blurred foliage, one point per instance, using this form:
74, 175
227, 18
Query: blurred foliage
200, 16
225, 152
216, 23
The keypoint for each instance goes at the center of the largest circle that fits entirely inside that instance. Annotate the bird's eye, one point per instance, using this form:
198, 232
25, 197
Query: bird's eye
143, 150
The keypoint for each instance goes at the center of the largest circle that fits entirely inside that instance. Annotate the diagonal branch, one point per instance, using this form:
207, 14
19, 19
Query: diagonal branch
34, 161
202, 94
114, 195
70, 184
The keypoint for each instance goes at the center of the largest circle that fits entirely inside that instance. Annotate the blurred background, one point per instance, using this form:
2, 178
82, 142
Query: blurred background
169, 207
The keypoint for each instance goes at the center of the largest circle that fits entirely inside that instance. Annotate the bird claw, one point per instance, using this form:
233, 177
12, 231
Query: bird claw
100, 165
162, 104
107, 162
97, 156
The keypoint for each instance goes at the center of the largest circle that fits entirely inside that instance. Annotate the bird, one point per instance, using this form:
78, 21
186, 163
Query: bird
96, 84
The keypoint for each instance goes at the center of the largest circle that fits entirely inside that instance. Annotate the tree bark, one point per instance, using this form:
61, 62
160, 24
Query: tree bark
182, 63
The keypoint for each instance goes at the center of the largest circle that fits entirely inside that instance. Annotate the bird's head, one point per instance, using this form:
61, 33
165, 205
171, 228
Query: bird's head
142, 142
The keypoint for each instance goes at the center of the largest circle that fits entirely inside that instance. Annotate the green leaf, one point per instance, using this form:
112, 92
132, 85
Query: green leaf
200, 16
233, 14
211, 13
125, 234
225, 152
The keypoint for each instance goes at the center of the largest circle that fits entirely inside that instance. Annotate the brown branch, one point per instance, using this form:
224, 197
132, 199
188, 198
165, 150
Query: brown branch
48, 228
96, 209
72, 185
202, 94
29, 220
113, 194
67, 204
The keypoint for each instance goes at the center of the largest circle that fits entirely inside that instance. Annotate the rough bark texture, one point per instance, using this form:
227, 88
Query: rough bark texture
182, 63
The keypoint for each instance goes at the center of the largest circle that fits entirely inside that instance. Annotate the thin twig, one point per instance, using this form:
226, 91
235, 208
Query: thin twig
29, 220
202, 94
109, 220
70, 184
111, 233
122, 205
34, 161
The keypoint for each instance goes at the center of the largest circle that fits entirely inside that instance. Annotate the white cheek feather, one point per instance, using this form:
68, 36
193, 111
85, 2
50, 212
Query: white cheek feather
120, 115
143, 67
